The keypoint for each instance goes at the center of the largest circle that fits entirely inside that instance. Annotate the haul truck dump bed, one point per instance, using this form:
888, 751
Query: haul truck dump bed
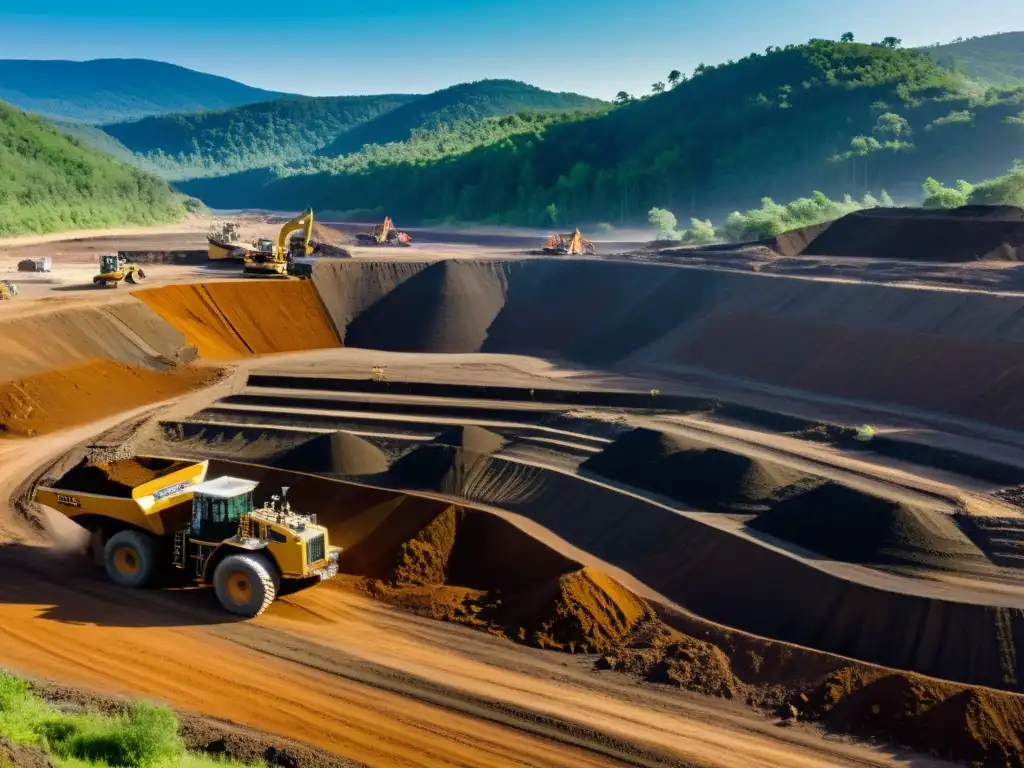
149, 511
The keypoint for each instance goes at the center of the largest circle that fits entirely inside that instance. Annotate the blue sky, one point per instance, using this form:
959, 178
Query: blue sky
596, 47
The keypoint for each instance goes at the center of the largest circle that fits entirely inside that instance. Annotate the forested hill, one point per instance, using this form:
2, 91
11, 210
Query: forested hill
51, 182
836, 117
463, 103
270, 133
212, 143
992, 59
109, 90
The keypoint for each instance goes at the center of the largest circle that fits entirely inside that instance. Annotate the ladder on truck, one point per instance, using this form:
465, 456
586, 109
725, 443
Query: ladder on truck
180, 548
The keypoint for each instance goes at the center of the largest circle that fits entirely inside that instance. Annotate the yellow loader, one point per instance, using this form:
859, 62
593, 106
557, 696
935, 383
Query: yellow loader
114, 269
211, 529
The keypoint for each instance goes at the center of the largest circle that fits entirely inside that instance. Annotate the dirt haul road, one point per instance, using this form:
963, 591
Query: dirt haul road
371, 683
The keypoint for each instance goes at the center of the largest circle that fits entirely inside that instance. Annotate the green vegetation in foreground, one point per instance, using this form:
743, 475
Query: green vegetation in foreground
51, 182
837, 117
992, 59
771, 219
146, 736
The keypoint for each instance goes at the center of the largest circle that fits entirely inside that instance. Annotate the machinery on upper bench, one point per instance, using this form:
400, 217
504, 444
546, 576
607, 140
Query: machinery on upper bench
270, 259
115, 268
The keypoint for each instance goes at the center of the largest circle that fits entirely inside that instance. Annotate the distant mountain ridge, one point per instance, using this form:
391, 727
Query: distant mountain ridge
114, 90
292, 129
250, 136
991, 59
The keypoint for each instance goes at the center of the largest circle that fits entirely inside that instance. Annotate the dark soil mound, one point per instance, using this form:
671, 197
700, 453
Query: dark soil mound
915, 234
447, 307
846, 524
707, 478
471, 438
446, 463
339, 453
116, 478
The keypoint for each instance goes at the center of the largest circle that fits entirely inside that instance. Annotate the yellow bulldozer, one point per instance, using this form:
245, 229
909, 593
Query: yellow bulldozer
114, 268
385, 234
270, 259
569, 244
210, 529
8, 290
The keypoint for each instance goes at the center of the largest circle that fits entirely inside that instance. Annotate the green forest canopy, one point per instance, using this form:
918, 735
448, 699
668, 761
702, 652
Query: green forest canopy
838, 117
51, 182
991, 59
215, 143
276, 132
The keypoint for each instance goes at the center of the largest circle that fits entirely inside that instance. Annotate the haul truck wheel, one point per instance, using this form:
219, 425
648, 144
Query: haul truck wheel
129, 558
244, 584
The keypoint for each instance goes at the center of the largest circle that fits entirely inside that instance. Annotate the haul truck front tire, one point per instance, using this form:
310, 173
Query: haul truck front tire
244, 584
129, 558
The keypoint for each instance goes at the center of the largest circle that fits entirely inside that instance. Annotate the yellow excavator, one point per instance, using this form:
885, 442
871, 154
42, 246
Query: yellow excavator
569, 244
114, 268
272, 259
172, 515
385, 234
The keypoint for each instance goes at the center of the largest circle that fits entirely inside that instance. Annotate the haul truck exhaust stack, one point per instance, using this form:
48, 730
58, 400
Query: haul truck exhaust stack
211, 529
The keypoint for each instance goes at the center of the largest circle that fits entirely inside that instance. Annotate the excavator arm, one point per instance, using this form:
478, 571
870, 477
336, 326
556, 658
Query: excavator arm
305, 221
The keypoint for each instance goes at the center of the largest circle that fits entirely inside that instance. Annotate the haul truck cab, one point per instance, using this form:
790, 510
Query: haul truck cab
242, 550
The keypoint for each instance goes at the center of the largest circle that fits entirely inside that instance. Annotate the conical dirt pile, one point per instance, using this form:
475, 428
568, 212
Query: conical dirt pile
338, 453
696, 474
847, 524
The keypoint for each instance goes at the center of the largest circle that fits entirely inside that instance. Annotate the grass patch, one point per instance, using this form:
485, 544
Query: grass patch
145, 736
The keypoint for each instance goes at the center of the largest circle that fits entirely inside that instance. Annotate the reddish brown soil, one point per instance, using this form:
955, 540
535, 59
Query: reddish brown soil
88, 391
232, 319
583, 610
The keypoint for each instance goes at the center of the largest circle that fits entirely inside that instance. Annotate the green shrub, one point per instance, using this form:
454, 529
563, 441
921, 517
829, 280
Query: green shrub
146, 736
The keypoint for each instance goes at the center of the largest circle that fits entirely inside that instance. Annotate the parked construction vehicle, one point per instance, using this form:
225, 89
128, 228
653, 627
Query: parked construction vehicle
385, 234
8, 290
208, 528
44, 264
271, 259
114, 269
569, 244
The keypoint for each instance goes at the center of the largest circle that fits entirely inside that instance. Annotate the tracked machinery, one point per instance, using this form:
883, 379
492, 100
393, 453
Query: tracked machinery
210, 530
114, 268
385, 235
569, 244
271, 259
8, 290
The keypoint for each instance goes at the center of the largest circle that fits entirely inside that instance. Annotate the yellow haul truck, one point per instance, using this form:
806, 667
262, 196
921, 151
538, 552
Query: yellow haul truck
209, 528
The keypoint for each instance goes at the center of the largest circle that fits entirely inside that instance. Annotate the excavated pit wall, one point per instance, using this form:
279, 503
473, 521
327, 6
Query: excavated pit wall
955, 352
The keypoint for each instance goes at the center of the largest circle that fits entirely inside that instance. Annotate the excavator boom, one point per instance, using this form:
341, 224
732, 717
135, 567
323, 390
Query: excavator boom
303, 222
